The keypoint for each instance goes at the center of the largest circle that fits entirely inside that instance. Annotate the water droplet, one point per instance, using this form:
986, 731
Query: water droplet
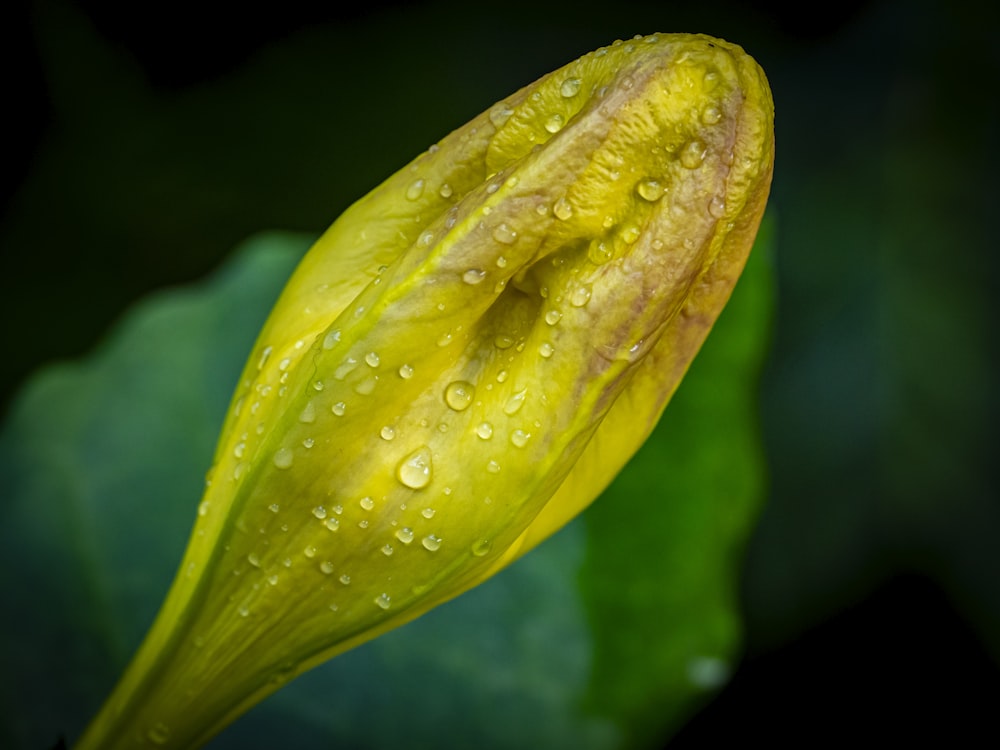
627, 82
481, 547
458, 395
326, 567
499, 114
546, 350
405, 372
519, 438
239, 469
243, 610
387, 433
363, 523
405, 535
274, 507
331, 339
273, 579
308, 442
717, 207
562, 209
158, 734
367, 503
515, 402
431, 542
650, 190
333, 524
264, 356
372, 359
693, 154
493, 467
580, 295
473, 276
387, 549
444, 340
501, 376
503, 234
320, 512
427, 513
555, 123
415, 470
345, 579
711, 115
253, 559
308, 415
284, 363
382, 600
339, 408
630, 235
599, 252
445, 191
283, 458
366, 386
570, 87
552, 317
503, 341
484, 430
309, 551
415, 190
345, 368
318, 385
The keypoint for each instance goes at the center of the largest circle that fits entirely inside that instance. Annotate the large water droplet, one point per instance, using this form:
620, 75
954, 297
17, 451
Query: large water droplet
650, 190
552, 317
481, 547
331, 339
503, 234
693, 154
599, 252
458, 394
431, 542
515, 402
520, 438
415, 470
580, 295
415, 190
555, 123
308, 415
570, 87
484, 430
283, 458
562, 209
264, 356
473, 276
405, 535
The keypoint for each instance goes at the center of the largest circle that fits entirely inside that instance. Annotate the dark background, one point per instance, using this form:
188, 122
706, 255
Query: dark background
145, 140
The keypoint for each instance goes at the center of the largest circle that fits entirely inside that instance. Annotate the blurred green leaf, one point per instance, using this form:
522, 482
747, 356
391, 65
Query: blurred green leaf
606, 636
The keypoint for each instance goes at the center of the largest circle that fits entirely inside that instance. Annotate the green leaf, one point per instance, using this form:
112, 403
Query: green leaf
605, 636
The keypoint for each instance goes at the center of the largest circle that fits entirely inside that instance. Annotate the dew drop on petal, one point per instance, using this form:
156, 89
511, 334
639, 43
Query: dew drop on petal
339, 408
308, 415
415, 190
717, 207
387, 433
711, 115
552, 317
431, 543
283, 458
570, 87
383, 601
546, 350
555, 123
580, 295
503, 234
414, 471
326, 567
367, 503
562, 209
481, 547
650, 190
515, 402
493, 467
372, 359
264, 356
473, 276
405, 372
693, 154
484, 430
458, 395
519, 438
405, 535
320, 512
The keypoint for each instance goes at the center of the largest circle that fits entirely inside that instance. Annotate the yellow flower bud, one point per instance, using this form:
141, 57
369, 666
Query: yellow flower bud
457, 368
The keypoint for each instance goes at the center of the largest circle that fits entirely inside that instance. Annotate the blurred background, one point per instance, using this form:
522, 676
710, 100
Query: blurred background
146, 140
